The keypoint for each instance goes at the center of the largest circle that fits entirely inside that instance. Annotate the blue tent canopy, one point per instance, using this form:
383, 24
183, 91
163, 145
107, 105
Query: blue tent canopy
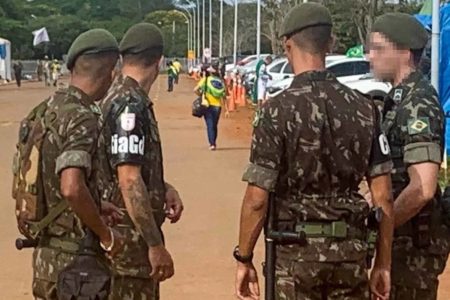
444, 61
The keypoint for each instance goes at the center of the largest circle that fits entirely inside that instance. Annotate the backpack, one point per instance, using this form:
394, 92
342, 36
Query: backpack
27, 188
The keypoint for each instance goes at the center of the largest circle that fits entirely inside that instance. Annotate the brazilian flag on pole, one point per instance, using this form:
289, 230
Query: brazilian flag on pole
357, 51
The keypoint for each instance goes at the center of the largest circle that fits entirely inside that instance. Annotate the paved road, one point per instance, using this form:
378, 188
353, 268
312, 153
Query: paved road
209, 182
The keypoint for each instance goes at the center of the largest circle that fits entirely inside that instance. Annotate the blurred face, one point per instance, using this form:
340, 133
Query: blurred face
385, 57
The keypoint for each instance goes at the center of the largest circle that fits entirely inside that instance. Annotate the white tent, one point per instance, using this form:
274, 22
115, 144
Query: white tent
5, 63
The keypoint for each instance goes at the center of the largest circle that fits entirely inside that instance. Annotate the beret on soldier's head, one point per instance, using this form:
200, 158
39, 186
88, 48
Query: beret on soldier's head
402, 29
305, 15
91, 42
141, 37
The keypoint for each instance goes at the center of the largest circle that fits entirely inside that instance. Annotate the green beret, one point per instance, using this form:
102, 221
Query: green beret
305, 15
141, 37
91, 42
402, 29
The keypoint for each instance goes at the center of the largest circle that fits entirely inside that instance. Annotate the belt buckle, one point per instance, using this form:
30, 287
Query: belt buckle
339, 229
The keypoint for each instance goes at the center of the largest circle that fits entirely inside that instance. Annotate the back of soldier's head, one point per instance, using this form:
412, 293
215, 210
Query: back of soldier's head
92, 54
309, 26
142, 45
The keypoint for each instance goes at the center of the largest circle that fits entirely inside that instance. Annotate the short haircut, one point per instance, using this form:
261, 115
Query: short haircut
417, 56
145, 58
315, 39
93, 65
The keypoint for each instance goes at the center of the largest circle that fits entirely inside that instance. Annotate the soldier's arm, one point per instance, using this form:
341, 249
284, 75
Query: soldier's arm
129, 131
422, 157
379, 181
261, 175
138, 203
420, 190
74, 166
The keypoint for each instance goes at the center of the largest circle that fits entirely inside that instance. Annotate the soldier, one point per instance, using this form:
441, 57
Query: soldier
66, 160
312, 146
133, 180
414, 125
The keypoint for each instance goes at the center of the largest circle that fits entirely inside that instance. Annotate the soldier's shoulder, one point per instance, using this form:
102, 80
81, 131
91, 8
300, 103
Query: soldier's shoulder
424, 92
66, 102
121, 95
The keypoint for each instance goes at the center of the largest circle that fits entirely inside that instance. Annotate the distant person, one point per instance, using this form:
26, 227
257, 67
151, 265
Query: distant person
178, 67
172, 74
55, 71
39, 70
213, 88
18, 67
262, 78
46, 68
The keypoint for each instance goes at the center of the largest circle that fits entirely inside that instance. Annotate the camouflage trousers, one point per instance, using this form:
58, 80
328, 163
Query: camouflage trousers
415, 271
47, 264
123, 288
134, 288
321, 280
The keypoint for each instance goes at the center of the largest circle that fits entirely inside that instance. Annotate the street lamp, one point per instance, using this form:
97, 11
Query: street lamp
221, 29
203, 29
258, 29
235, 32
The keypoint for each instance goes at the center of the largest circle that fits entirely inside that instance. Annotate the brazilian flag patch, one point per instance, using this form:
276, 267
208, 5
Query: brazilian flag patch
419, 126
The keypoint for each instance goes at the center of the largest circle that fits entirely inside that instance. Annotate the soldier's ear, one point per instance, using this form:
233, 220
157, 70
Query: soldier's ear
332, 43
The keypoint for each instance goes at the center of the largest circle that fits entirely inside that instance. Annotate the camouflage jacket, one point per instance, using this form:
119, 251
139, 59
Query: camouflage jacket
414, 123
312, 145
130, 135
71, 144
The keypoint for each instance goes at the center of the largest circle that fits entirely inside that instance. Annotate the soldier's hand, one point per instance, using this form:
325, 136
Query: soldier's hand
174, 205
380, 283
111, 213
161, 262
119, 242
247, 286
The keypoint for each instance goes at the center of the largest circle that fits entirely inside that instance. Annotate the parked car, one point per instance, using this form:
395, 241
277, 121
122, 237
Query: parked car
345, 69
244, 62
366, 84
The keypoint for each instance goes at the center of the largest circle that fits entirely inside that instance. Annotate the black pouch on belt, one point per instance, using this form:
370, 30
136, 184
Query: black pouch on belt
87, 277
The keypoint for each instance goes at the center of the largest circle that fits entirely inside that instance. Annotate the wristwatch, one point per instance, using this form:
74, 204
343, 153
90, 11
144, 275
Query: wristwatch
108, 249
243, 259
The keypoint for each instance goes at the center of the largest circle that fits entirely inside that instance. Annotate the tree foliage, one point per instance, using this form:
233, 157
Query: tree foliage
65, 19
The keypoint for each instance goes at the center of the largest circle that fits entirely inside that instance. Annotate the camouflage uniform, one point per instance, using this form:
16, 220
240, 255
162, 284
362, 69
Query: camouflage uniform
312, 145
70, 145
414, 124
130, 135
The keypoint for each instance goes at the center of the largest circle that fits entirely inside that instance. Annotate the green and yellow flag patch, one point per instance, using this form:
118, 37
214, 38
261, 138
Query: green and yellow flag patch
419, 126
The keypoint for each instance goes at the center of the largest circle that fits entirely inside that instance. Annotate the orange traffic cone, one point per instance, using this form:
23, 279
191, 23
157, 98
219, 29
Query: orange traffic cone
242, 95
231, 98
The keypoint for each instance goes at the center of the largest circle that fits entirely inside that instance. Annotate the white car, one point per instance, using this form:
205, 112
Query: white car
365, 84
244, 63
347, 70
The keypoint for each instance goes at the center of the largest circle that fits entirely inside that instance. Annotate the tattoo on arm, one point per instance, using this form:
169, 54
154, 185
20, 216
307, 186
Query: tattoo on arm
139, 207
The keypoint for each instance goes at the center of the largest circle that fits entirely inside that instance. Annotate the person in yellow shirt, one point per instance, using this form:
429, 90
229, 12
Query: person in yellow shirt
213, 89
178, 67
